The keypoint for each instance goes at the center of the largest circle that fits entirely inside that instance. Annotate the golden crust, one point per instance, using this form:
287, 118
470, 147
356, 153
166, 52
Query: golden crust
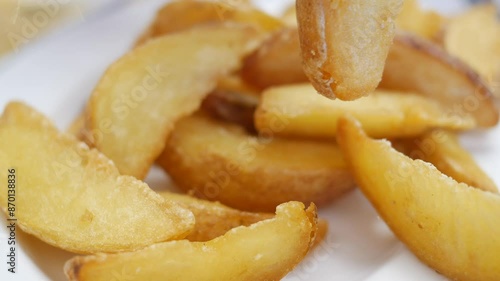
345, 44
220, 161
73, 197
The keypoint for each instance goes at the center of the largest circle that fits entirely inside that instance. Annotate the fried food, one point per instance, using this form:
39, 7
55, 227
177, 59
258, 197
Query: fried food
140, 97
345, 44
423, 67
267, 250
448, 225
233, 106
276, 62
182, 15
425, 23
383, 114
219, 161
74, 198
212, 218
443, 150
474, 37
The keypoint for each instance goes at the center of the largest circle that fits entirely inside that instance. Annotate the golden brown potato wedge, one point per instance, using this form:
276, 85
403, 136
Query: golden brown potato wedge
140, 97
212, 218
345, 44
450, 226
443, 150
267, 250
474, 37
74, 198
383, 114
423, 67
276, 62
182, 15
427, 24
221, 161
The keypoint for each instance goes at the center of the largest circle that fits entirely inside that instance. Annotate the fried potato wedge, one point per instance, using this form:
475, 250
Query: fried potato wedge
345, 44
212, 218
140, 97
74, 198
427, 24
220, 161
267, 250
182, 15
448, 225
443, 150
276, 62
383, 114
474, 37
420, 66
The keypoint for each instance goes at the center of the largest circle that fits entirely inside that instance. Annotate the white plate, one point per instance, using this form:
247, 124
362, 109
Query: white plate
56, 76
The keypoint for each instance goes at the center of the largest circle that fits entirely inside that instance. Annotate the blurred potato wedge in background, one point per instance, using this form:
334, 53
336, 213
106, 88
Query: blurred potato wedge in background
212, 218
448, 225
233, 107
181, 15
345, 44
276, 62
425, 23
383, 114
219, 161
267, 250
420, 66
443, 150
289, 17
474, 37
74, 198
136, 103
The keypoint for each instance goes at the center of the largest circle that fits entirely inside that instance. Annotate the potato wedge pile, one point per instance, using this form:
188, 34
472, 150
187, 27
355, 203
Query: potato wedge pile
235, 106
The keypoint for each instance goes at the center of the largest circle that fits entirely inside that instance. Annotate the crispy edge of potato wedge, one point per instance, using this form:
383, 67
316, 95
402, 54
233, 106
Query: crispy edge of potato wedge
345, 44
212, 219
421, 66
181, 15
448, 225
216, 160
442, 149
140, 97
266, 250
64, 186
383, 113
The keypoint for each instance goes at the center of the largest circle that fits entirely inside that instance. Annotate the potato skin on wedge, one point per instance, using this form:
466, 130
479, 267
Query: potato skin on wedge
448, 225
140, 97
267, 250
276, 62
344, 44
73, 197
423, 67
220, 161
